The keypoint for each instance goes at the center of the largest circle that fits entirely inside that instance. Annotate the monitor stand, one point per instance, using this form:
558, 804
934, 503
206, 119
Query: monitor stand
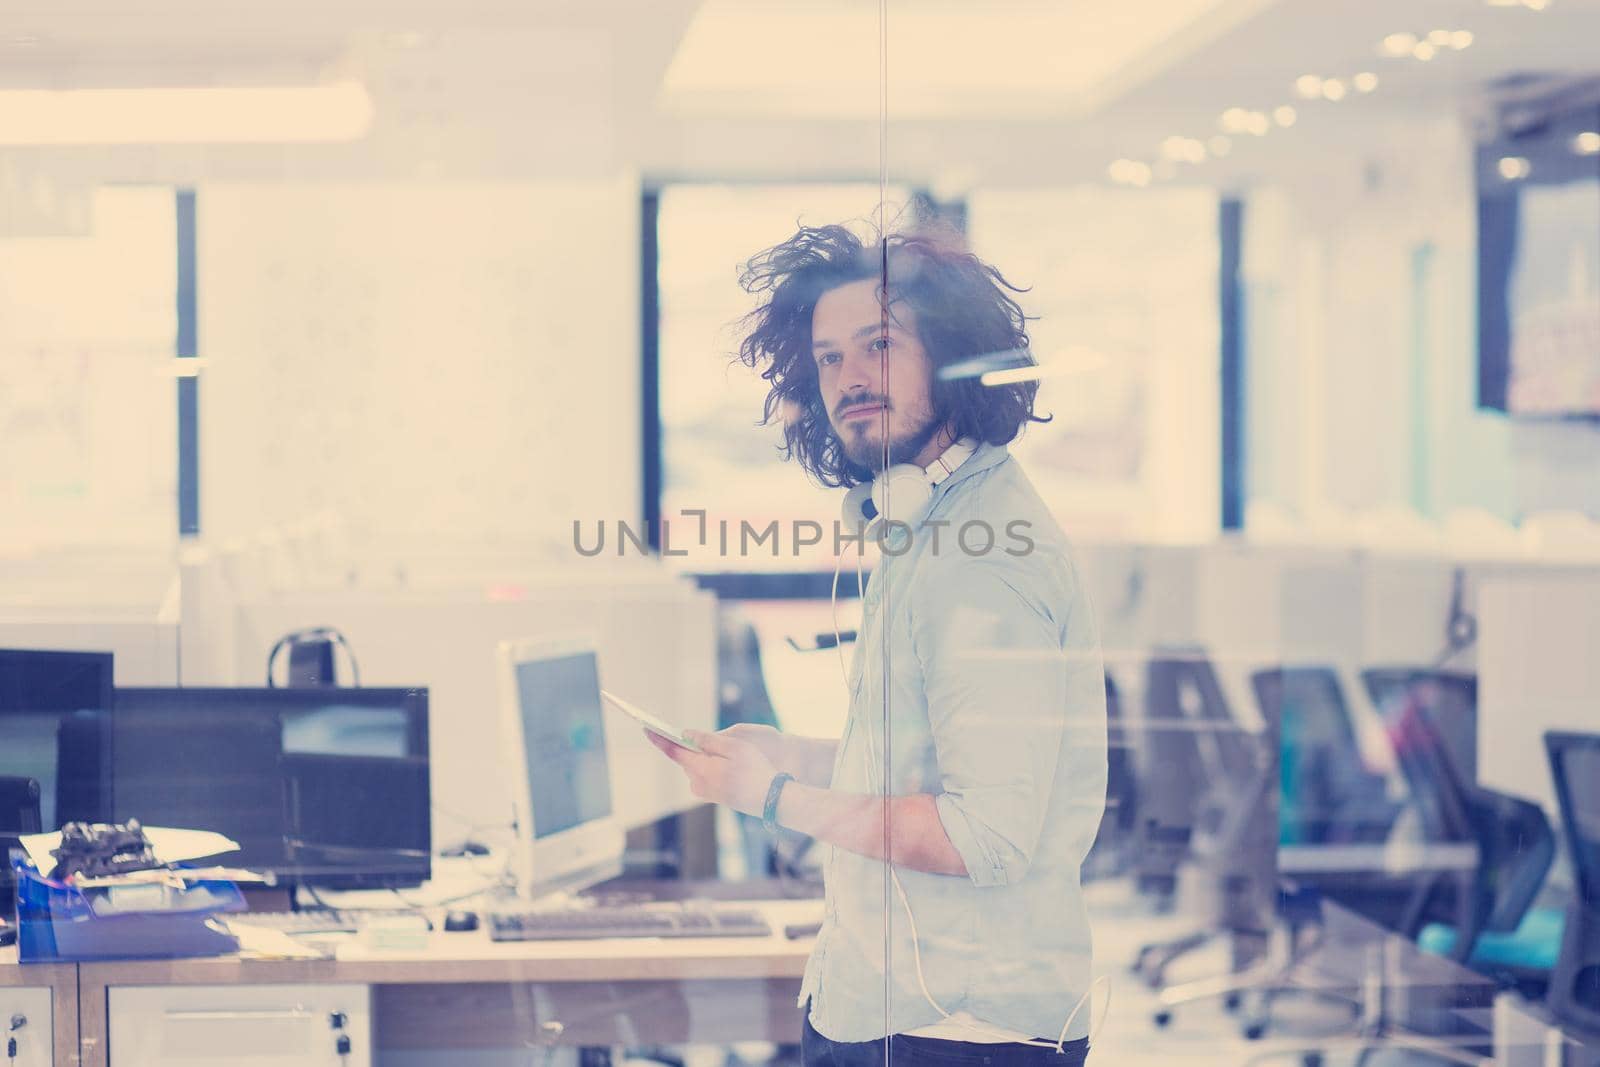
574, 881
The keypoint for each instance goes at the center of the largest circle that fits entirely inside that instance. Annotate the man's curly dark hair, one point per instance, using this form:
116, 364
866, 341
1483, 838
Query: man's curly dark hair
964, 312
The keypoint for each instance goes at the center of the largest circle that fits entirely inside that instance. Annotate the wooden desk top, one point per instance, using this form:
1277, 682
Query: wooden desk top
471, 957
13, 973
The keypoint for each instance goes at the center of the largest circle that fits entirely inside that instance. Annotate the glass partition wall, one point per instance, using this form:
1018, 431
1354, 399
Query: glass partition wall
1025, 453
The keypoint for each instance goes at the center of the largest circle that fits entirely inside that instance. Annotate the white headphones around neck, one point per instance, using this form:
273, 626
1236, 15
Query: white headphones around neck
901, 492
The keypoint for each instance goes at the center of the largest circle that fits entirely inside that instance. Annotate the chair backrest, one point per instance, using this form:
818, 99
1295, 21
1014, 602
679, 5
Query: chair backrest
1437, 792
1229, 785
1575, 768
1575, 983
1514, 840
1448, 698
19, 806
1327, 796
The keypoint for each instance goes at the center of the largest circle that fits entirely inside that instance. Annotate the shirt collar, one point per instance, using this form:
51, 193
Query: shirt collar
985, 458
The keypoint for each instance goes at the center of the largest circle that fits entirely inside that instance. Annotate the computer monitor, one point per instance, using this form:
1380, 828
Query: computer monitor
52, 723
568, 835
53, 760
321, 787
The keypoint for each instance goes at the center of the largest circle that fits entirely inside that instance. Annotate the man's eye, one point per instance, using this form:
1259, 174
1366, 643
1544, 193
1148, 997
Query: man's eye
880, 344
827, 359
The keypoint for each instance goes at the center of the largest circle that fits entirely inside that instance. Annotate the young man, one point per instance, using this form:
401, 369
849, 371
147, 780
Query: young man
973, 759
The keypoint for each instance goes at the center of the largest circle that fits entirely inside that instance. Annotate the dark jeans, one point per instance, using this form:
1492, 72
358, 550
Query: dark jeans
818, 1051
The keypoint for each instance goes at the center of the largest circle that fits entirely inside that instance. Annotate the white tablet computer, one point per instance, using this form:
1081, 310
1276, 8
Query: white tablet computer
650, 722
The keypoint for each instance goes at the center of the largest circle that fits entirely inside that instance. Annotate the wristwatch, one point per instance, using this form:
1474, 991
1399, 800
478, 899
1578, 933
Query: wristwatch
769, 811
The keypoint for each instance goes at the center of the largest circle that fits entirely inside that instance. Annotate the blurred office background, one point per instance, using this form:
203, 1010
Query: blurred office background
362, 315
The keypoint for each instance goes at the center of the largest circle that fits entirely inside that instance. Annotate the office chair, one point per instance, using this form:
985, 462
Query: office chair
1231, 827
1325, 798
1513, 857
1109, 855
1574, 996
19, 814
1491, 928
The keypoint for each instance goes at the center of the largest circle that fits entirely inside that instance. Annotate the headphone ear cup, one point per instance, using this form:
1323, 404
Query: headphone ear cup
906, 487
853, 510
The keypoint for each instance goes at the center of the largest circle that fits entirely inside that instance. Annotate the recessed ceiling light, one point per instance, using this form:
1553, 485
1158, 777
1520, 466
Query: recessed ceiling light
1283, 116
1398, 44
1424, 51
1308, 86
1333, 89
1461, 40
1587, 143
1130, 172
1535, 5
1258, 124
1365, 82
1183, 150
1514, 168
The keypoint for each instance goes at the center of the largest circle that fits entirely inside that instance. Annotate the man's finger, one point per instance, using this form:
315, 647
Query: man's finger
668, 749
712, 744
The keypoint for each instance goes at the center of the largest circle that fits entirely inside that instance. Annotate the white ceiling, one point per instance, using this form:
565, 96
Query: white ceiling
488, 89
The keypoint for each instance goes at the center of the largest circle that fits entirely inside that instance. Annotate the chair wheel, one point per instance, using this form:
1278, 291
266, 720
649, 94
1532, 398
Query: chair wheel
1254, 1031
1161, 1018
1311, 1059
1232, 1001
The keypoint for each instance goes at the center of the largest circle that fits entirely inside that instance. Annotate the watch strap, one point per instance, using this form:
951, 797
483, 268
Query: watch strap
769, 811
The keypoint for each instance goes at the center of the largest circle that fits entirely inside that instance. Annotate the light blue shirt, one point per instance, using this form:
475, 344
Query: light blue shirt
985, 666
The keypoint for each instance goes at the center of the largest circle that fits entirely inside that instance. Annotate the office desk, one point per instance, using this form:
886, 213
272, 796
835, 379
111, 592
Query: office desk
1386, 858
465, 991
62, 981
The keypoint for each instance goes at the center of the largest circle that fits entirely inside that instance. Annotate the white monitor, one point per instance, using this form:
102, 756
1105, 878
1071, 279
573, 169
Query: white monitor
568, 835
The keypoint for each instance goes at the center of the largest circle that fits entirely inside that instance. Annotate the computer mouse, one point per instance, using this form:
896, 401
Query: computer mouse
457, 921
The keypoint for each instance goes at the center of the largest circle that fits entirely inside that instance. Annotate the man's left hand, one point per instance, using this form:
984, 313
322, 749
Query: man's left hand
724, 771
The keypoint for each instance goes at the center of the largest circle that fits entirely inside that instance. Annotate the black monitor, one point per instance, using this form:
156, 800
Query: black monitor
54, 763
323, 787
52, 722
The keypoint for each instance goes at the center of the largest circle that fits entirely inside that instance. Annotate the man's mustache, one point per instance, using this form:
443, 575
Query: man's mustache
860, 399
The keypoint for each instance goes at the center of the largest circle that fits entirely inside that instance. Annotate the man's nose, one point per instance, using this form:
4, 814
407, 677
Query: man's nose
858, 374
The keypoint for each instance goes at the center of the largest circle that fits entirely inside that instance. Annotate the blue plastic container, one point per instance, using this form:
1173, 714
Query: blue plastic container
58, 922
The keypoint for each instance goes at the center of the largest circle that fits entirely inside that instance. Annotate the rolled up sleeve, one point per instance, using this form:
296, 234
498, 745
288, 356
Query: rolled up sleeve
995, 676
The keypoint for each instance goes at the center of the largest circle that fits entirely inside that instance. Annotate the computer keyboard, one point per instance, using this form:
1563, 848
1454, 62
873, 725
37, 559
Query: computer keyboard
588, 923
321, 920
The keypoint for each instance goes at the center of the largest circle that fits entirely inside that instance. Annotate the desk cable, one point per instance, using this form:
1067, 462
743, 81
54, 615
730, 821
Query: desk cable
894, 877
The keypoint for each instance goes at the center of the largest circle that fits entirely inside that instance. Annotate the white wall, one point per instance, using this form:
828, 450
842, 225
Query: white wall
88, 330
434, 363
1361, 347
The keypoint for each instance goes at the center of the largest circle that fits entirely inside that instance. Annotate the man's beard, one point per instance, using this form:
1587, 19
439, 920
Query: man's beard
868, 454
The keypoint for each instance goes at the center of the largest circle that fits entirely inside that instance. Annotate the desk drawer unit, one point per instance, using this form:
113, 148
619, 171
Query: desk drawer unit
25, 1016
254, 1025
